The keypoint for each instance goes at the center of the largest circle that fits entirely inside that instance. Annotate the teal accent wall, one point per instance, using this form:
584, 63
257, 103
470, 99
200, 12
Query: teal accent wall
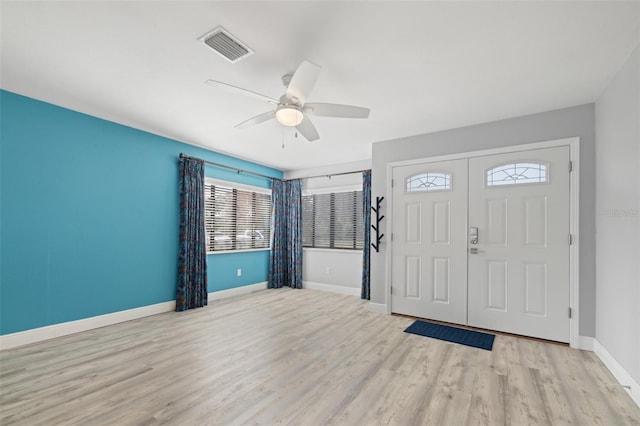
89, 216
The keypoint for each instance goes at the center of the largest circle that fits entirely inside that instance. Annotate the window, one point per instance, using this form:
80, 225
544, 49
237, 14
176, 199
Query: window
333, 220
236, 217
517, 173
430, 181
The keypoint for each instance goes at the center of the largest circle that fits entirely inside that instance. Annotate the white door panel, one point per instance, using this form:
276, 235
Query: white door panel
429, 253
519, 279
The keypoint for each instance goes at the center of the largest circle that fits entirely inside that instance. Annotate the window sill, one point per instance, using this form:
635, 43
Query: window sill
237, 251
330, 250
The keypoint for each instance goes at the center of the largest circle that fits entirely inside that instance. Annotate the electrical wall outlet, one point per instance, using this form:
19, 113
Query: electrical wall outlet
239, 272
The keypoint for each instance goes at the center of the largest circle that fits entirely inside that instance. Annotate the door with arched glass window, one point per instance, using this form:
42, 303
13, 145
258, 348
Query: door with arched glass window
484, 241
519, 265
429, 260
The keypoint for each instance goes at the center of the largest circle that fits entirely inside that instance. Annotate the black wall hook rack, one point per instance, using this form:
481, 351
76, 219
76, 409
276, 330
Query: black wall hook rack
376, 227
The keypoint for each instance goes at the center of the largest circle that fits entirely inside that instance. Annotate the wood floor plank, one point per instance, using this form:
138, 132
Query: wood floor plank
488, 401
299, 357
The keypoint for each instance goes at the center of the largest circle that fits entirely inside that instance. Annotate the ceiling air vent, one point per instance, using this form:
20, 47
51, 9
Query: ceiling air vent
225, 44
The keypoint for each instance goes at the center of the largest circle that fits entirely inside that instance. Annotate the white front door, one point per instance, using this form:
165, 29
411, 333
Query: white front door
519, 266
429, 241
484, 241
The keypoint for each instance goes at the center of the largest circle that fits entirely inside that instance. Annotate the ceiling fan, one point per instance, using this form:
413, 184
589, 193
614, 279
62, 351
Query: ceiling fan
292, 110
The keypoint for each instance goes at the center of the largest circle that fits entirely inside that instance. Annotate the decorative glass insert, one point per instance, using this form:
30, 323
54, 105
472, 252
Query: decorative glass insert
517, 173
430, 181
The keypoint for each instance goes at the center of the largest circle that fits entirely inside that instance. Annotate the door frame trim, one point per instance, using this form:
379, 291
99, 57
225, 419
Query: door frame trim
574, 216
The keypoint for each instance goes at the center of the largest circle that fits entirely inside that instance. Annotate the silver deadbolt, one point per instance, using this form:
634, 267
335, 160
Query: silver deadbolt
473, 235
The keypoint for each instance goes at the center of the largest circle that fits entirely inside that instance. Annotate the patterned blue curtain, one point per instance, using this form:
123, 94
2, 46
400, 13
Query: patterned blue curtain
366, 252
285, 265
191, 291
294, 233
278, 255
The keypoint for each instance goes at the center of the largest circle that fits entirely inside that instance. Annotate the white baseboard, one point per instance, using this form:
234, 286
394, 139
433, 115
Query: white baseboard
378, 308
26, 337
332, 288
622, 376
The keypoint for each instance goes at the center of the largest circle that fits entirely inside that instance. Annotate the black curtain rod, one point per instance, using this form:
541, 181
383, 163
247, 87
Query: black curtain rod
265, 176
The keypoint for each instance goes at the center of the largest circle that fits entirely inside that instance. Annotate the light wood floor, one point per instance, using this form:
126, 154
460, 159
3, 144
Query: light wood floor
300, 357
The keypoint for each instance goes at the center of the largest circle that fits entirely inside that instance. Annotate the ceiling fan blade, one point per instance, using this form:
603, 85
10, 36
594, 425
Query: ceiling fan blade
302, 82
336, 110
307, 129
238, 90
256, 120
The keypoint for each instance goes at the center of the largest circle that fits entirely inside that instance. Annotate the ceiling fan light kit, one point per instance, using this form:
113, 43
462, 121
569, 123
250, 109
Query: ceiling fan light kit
289, 115
292, 109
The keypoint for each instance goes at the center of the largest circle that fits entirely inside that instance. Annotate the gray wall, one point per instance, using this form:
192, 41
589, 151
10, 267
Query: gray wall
569, 122
618, 217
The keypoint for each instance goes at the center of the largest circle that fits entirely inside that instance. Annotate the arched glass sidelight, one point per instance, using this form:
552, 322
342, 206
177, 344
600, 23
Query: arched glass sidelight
517, 173
430, 181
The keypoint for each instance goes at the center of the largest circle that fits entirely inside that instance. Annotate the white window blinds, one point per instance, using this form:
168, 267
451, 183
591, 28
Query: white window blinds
236, 219
333, 220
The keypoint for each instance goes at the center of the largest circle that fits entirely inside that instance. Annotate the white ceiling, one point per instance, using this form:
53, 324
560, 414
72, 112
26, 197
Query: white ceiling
419, 66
